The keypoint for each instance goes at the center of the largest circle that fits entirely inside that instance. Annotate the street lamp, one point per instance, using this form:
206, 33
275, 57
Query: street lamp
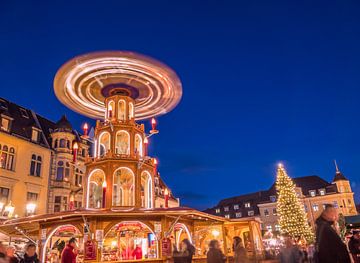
9, 210
30, 209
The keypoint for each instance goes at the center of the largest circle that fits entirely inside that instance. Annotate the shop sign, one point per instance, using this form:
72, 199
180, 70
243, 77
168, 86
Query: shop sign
90, 250
166, 247
99, 235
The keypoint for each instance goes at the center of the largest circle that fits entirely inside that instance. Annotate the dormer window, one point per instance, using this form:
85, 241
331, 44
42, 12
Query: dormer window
322, 191
236, 207
273, 198
247, 205
217, 210
226, 208
24, 113
5, 124
312, 193
35, 135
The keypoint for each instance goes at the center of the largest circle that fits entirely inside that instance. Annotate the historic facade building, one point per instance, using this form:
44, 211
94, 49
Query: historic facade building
25, 161
313, 191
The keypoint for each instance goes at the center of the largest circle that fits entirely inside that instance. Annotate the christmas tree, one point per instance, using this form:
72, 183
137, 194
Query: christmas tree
292, 216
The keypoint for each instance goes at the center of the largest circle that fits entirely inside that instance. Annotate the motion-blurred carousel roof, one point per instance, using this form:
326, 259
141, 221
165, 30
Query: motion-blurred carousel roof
83, 83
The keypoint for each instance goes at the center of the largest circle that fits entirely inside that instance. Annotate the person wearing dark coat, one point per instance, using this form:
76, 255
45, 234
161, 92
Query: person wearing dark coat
68, 255
30, 255
215, 255
186, 253
329, 246
354, 246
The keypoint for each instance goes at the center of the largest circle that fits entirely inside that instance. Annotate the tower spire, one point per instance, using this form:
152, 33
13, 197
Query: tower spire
338, 174
336, 167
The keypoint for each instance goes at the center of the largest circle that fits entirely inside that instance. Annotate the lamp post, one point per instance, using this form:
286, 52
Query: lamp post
104, 185
166, 193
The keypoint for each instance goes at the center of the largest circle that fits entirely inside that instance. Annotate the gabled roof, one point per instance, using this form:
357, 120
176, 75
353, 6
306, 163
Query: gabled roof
339, 176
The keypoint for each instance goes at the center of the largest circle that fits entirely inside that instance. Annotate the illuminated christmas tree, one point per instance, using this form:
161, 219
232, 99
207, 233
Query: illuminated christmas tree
292, 216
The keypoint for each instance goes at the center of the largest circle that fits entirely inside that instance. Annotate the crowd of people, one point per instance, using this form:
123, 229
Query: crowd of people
8, 254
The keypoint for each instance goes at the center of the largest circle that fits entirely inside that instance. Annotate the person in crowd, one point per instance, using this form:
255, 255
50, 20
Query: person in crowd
2, 253
11, 256
215, 255
289, 253
240, 253
186, 253
329, 246
137, 252
30, 255
69, 255
354, 246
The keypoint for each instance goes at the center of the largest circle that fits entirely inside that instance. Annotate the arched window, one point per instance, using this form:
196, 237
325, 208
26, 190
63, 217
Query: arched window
122, 110
111, 109
138, 145
94, 197
104, 143
146, 190
60, 171
123, 187
78, 177
122, 145
7, 157
68, 144
67, 171
131, 110
56, 143
62, 143
35, 166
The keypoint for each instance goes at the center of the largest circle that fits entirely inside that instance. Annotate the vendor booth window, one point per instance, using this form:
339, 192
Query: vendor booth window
122, 144
146, 190
95, 189
130, 240
104, 143
123, 187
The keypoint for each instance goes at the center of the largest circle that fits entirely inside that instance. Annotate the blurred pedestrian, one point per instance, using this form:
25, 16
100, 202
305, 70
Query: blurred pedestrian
240, 253
354, 246
329, 247
215, 255
30, 255
69, 255
290, 253
11, 256
186, 253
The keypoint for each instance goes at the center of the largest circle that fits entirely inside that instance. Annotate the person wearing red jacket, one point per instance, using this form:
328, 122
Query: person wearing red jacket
137, 253
68, 255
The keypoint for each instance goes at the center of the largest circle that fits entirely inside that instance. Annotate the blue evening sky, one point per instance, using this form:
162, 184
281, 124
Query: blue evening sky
263, 81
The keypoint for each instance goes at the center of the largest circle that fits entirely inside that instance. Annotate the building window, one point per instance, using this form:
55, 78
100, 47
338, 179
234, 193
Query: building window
227, 216
273, 198
277, 227
60, 171
62, 143
24, 113
266, 212
226, 209
269, 228
35, 135
247, 205
251, 213
315, 207
78, 177
322, 191
5, 124
236, 207
335, 203
32, 197
312, 193
349, 202
4, 195
7, 157
238, 214
57, 204
274, 211
35, 166
217, 210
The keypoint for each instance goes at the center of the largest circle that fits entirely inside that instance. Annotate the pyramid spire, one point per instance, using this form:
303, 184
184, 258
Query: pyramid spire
338, 175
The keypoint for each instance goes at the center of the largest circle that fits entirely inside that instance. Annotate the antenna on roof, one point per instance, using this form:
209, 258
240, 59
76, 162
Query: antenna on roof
336, 166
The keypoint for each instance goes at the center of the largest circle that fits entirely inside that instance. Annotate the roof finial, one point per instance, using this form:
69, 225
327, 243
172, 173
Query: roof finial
336, 167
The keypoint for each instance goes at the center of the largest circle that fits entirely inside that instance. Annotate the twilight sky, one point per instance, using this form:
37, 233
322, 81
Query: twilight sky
263, 82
